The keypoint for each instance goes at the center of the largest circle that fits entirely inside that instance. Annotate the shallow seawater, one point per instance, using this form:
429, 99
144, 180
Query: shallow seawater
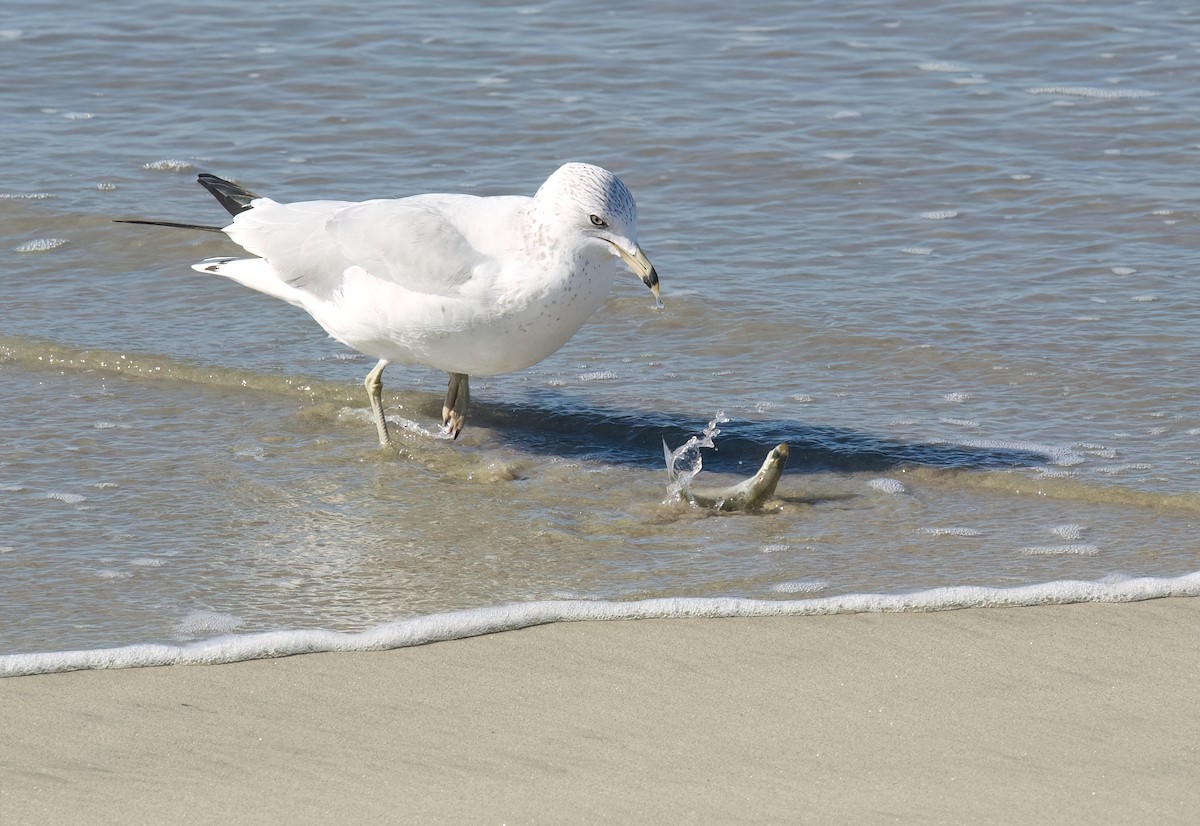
947, 255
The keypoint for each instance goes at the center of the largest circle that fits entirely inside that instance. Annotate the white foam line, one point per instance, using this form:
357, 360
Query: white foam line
470, 623
1057, 455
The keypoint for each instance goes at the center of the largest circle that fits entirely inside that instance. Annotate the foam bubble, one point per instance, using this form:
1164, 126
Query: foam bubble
112, 573
1112, 470
1092, 92
1071, 533
1060, 456
941, 66
1124, 270
917, 250
598, 375
198, 623
41, 245
69, 498
475, 622
960, 422
1099, 450
168, 165
1060, 550
939, 215
957, 398
886, 485
951, 532
802, 586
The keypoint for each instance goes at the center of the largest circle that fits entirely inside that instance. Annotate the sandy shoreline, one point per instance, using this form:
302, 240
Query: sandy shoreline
1078, 713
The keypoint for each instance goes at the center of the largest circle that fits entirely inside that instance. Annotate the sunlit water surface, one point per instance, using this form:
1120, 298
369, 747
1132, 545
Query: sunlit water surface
947, 253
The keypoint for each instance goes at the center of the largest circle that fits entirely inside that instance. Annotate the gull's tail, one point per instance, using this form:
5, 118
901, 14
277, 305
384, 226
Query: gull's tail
233, 197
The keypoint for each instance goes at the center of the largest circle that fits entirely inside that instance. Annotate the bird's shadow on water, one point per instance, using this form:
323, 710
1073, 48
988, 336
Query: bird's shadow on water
635, 439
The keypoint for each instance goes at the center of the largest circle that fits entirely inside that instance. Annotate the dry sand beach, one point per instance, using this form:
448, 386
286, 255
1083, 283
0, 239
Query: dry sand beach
1078, 713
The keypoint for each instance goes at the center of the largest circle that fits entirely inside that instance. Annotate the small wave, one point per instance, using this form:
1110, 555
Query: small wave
939, 215
1093, 92
475, 622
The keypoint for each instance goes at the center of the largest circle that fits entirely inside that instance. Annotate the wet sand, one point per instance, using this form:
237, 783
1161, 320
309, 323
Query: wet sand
1079, 713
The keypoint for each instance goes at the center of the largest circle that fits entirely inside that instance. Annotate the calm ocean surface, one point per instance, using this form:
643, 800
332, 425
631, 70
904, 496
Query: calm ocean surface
948, 253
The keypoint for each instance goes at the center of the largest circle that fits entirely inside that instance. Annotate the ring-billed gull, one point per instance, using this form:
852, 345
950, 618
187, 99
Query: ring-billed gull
466, 284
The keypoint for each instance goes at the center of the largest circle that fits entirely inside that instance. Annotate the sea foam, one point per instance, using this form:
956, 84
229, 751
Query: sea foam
475, 622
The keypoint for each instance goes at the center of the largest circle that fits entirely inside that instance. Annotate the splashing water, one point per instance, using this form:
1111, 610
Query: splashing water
688, 455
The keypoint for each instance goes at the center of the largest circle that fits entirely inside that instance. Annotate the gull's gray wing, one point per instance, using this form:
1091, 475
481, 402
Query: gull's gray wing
427, 243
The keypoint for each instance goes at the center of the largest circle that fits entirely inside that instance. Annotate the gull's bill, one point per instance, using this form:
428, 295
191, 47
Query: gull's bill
641, 266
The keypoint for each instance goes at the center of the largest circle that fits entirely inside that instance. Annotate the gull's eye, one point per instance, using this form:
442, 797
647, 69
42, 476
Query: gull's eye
597, 221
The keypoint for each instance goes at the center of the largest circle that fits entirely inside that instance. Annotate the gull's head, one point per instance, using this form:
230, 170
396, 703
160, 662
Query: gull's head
594, 207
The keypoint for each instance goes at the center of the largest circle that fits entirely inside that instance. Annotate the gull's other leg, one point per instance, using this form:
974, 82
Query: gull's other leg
374, 385
454, 410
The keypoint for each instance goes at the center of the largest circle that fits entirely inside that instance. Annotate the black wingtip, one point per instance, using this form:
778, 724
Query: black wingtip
233, 197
